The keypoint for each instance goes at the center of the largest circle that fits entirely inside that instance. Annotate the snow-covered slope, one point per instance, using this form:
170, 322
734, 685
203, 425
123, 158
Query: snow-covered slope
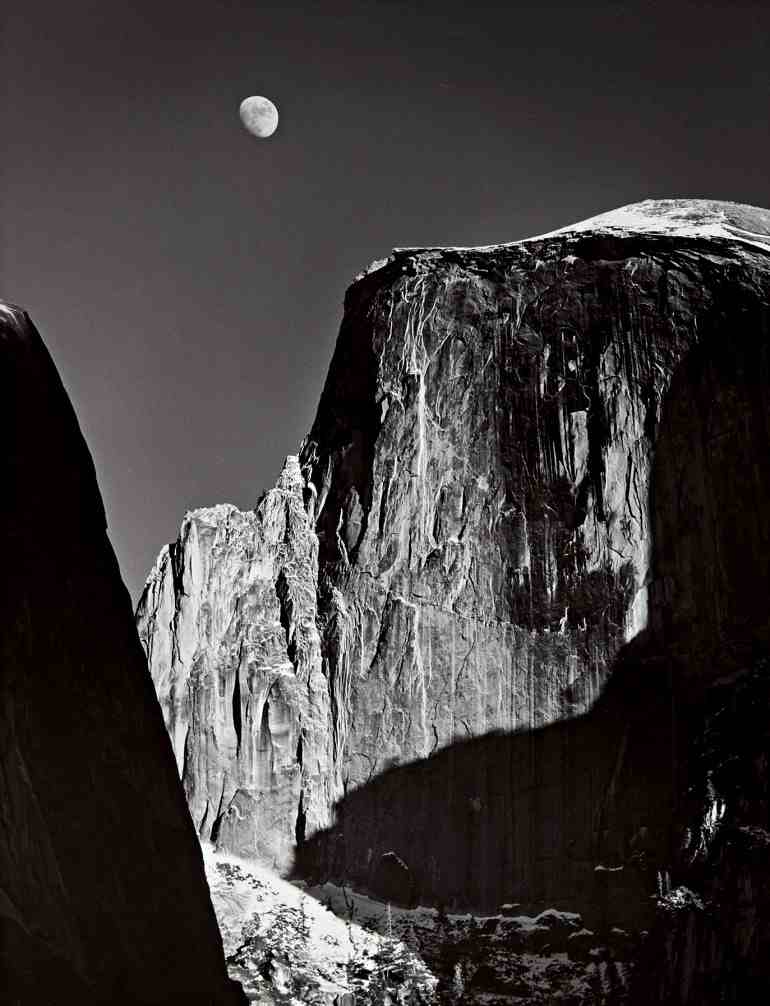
332, 946
287, 947
682, 218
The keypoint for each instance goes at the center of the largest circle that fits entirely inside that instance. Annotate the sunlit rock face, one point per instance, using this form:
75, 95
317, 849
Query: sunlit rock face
484, 527
103, 898
481, 458
229, 622
481, 467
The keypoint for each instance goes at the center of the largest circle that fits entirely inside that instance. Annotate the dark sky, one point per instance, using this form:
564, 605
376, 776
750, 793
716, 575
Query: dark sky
188, 278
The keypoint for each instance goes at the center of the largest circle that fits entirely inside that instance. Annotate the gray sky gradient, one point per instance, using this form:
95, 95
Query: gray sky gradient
188, 278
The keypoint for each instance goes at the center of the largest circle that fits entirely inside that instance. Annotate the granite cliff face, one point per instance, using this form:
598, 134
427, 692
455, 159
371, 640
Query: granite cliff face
527, 479
102, 893
229, 621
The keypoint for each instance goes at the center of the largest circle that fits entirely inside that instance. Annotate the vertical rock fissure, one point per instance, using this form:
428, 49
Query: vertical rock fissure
301, 823
217, 822
237, 712
286, 613
339, 641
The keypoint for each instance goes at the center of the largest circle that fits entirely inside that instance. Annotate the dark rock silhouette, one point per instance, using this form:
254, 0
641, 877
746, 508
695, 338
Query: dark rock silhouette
710, 942
102, 893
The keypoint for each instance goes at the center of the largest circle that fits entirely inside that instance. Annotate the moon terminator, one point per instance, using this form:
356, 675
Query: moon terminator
259, 116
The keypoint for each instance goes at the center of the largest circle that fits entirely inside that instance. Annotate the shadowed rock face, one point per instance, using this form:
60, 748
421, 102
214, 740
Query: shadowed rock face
710, 942
574, 815
493, 528
102, 893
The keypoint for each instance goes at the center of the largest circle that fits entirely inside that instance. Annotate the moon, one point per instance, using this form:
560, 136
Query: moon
259, 116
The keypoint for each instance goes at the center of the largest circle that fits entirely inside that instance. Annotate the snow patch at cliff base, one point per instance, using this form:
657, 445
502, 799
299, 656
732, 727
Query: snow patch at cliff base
291, 944
280, 941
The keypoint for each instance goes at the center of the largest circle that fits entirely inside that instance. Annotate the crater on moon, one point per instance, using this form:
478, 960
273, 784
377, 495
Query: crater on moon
259, 116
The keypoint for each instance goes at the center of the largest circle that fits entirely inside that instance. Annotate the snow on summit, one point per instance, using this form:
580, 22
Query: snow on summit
682, 218
695, 218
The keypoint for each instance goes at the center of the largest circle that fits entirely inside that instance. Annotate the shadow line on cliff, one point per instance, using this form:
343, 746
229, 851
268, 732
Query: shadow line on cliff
523, 817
